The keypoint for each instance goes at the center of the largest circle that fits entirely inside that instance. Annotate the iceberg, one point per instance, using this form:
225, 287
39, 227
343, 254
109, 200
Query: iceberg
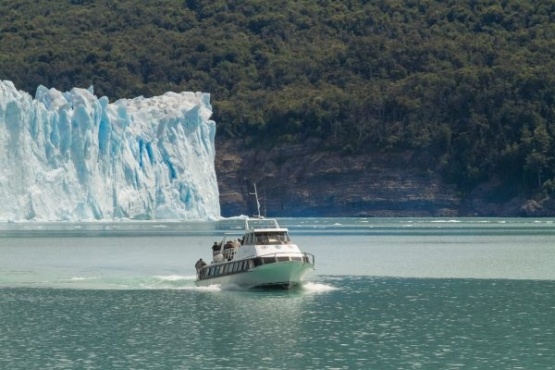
70, 156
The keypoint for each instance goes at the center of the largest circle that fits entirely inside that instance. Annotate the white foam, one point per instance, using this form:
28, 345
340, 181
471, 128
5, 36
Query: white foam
176, 277
81, 278
317, 287
209, 288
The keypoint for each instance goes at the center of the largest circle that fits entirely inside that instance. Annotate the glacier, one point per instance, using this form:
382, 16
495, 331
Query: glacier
70, 156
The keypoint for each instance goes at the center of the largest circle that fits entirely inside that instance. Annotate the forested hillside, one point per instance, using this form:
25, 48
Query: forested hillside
467, 85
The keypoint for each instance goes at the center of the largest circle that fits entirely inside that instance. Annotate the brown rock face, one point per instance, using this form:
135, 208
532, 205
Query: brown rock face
302, 180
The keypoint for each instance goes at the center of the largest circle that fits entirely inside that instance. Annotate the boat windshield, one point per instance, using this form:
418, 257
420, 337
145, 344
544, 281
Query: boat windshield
268, 237
261, 223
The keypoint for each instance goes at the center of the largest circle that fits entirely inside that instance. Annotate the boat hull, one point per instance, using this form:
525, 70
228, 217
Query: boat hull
283, 275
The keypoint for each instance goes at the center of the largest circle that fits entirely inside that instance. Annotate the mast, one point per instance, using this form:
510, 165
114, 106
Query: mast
257, 202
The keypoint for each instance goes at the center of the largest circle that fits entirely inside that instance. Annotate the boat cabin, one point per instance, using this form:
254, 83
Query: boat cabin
264, 232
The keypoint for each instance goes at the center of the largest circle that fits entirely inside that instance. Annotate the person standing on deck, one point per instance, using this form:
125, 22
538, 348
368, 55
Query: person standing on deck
200, 264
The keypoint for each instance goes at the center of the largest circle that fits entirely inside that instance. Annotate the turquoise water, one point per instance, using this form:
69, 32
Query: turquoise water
387, 294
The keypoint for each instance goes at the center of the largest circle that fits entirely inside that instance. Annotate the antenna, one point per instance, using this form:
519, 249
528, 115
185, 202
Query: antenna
257, 202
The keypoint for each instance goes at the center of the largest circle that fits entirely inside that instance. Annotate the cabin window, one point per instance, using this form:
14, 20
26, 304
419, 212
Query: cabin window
268, 260
296, 259
283, 259
272, 238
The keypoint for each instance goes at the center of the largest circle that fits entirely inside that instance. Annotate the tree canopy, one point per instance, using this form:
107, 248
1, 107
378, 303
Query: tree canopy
467, 85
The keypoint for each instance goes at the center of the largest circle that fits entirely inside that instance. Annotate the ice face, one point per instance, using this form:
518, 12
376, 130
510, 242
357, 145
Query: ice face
71, 156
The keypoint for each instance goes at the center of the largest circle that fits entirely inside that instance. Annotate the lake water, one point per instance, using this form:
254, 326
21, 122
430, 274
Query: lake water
386, 294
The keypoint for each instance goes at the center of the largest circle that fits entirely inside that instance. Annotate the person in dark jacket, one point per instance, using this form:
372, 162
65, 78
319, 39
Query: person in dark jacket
200, 264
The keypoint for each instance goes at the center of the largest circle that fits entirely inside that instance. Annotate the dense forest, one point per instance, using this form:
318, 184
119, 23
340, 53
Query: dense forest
468, 85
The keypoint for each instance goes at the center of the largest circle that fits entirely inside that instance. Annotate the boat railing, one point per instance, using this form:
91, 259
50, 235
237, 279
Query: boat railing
309, 257
232, 267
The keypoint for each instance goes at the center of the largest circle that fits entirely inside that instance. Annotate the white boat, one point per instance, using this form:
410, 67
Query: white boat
264, 257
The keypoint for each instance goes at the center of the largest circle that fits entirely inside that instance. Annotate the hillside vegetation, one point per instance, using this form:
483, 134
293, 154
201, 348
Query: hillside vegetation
467, 85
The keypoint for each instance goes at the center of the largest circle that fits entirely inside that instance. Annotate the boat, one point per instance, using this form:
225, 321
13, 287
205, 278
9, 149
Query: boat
264, 256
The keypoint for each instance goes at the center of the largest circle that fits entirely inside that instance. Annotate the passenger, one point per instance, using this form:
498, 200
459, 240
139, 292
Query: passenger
216, 249
200, 264
228, 245
236, 243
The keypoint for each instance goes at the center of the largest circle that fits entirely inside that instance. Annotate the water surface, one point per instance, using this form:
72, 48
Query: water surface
387, 294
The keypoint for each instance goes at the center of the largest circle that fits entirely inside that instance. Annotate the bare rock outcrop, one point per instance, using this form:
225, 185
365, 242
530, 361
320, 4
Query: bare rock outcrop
302, 180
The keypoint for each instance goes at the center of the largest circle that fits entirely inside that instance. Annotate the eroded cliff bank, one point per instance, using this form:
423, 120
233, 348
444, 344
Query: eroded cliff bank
301, 180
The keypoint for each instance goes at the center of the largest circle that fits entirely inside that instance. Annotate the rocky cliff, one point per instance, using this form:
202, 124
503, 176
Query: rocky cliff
302, 180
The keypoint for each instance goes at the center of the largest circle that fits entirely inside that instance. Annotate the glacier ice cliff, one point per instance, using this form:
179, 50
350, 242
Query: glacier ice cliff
72, 156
